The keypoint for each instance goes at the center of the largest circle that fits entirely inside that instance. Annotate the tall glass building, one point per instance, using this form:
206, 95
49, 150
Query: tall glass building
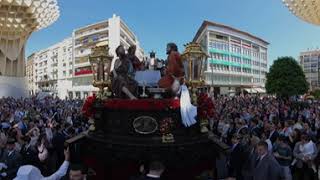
238, 61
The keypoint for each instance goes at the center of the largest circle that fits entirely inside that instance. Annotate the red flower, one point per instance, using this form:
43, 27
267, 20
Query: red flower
87, 106
205, 106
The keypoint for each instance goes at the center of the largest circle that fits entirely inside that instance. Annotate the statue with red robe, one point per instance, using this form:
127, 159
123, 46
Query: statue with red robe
174, 73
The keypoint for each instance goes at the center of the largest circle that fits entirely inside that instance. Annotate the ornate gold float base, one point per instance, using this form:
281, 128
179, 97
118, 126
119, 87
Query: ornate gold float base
204, 126
167, 138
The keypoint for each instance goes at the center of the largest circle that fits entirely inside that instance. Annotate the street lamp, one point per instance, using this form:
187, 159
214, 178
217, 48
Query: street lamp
100, 61
194, 61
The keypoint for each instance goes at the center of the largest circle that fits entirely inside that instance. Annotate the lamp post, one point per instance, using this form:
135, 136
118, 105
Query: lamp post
100, 61
194, 61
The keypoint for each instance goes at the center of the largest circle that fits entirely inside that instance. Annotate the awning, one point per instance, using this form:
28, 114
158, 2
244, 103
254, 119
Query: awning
260, 90
250, 90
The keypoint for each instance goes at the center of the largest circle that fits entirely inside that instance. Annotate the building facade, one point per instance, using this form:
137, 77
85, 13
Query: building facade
310, 63
113, 32
30, 74
237, 60
64, 68
18, 20
53, 69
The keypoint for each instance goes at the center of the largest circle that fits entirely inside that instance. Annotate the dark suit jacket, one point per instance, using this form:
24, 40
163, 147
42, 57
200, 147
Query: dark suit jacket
29, 156
248, 165
13, 162
256, 131
274, 136
237, 158
267, 169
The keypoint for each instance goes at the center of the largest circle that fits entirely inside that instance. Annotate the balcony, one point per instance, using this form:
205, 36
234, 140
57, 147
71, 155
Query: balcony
90, 32
83, 72
83, 64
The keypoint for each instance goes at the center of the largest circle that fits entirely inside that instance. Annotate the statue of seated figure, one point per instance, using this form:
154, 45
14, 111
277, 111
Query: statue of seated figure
123, 84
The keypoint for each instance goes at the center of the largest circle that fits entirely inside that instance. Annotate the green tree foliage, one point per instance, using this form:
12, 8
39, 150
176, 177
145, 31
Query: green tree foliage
316, 93
286, 78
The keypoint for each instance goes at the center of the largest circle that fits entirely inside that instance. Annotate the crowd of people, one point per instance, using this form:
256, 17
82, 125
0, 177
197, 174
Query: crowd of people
33, 132
270, 138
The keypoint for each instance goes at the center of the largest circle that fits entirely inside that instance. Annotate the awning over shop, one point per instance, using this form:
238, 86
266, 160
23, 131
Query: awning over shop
255, 90
260, 90
250, 90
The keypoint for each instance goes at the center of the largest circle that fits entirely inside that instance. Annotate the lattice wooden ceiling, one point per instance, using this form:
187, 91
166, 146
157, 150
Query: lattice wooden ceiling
307, 10
21, 17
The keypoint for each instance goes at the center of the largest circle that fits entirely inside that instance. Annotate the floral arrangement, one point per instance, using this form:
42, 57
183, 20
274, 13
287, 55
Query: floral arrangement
87, 106
165, 129
205, 111
205, 106
165, 125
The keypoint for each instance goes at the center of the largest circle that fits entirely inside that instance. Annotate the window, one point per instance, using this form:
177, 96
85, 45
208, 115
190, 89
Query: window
64, 64
64, 73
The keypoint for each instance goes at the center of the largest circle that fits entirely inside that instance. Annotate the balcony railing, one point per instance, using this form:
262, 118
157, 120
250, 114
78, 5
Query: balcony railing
83, 72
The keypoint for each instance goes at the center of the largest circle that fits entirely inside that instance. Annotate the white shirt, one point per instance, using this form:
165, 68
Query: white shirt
153, 176
269, 145
62, 171
29, 172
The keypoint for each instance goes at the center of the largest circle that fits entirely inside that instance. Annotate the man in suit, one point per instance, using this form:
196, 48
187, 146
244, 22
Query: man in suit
12, 159
254, 128
77, 172
249, 163
273, 135
28, 153
156, 169
237, 158
266, 166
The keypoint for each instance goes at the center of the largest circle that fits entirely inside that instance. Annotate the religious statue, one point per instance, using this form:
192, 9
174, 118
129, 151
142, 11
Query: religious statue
137, 64
174, 73
123, 84
152, 64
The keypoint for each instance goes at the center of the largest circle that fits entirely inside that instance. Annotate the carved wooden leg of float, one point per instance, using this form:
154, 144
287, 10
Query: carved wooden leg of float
91, 122
168, 138
194, 97
204, 125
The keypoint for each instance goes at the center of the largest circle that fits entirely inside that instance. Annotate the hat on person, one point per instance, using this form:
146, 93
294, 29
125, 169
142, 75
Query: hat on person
28, 172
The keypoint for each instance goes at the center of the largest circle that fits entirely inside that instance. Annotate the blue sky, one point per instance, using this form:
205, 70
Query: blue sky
157, 22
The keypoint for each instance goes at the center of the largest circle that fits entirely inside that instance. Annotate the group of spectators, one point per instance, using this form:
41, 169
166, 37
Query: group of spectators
270, 138
33, 132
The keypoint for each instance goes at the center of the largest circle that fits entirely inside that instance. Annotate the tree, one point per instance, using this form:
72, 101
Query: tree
286, 78
316, 93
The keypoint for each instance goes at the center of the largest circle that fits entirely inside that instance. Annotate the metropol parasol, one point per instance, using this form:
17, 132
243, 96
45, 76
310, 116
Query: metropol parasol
307, 10
18, 19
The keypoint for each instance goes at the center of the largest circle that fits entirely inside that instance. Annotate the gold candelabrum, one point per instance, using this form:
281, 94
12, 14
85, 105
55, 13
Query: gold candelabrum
100, 61
195, 62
